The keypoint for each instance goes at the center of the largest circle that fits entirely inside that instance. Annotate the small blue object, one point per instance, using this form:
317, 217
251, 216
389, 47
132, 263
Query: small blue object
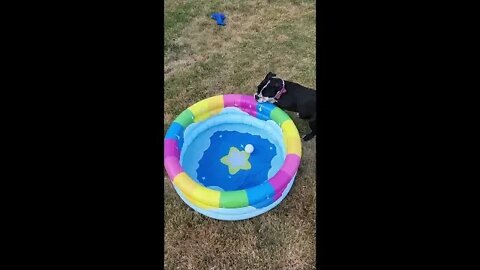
219, 17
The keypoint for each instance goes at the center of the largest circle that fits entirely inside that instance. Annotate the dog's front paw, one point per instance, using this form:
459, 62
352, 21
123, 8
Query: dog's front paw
298, 115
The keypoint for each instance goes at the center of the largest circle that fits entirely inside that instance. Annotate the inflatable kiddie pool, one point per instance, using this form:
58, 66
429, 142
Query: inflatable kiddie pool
231, 158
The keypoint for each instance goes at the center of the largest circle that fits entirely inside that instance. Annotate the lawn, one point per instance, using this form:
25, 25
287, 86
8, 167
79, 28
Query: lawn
203, 60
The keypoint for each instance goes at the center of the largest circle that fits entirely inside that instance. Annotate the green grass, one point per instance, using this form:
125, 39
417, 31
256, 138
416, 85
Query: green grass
203, 60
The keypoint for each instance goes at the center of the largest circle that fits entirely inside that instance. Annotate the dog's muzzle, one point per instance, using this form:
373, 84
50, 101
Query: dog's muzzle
261, 99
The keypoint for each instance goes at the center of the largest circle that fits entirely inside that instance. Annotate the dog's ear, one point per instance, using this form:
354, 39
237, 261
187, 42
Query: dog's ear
270, 75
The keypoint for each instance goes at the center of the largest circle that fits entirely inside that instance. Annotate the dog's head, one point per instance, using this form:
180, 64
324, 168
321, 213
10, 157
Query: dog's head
270, 89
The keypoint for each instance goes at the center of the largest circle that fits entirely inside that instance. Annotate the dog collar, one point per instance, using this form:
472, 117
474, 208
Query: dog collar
280, 92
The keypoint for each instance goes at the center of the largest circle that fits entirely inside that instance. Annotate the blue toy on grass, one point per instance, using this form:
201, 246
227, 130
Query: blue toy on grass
219, 17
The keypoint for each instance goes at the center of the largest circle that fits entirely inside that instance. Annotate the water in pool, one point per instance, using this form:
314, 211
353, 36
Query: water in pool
228, 166
213, 151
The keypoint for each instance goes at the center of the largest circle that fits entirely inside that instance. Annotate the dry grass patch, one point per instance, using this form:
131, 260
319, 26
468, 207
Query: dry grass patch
245, 22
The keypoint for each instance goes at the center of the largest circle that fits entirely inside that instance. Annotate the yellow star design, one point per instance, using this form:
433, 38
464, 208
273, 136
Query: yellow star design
236, 160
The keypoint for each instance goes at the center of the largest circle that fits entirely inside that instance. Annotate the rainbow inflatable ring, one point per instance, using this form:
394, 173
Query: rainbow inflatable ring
212, 169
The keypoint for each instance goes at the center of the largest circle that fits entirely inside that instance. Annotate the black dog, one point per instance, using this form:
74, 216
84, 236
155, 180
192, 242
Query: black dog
290, 96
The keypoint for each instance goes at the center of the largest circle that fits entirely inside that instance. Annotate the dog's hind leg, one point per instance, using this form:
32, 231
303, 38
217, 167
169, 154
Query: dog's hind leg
313, 126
